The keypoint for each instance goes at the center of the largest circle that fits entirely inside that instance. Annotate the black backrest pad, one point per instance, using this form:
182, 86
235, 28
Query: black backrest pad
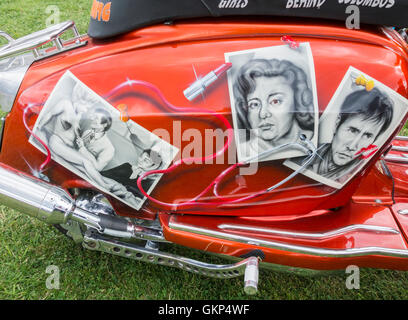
113, 17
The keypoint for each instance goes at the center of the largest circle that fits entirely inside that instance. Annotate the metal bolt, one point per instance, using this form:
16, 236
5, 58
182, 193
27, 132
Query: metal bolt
152, 245
91, 244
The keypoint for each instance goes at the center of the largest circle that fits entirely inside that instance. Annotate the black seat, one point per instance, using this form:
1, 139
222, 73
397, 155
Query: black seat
110, 18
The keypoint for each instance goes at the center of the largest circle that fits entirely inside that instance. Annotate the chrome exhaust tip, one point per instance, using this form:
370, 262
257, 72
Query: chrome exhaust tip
53, 205
34, 197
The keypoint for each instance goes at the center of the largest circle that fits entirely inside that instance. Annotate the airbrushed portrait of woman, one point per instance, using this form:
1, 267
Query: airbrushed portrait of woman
274, 104
360, 117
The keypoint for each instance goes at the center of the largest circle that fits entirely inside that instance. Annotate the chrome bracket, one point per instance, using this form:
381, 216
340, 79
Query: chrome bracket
404, 34
249, 266
2, 120
33, 42
73, 230
403, 158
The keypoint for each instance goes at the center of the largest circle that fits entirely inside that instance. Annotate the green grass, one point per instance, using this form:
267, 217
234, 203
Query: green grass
27, 246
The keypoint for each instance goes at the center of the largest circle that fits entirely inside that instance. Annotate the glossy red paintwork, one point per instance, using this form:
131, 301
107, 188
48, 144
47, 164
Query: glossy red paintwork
351, 214
164, 55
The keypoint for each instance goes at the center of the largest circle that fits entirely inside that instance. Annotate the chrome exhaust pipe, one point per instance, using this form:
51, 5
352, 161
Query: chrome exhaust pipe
53, 205
34, 197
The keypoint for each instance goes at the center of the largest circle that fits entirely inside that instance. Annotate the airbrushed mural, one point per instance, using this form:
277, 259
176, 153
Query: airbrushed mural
275, 112
359, 119
88, 136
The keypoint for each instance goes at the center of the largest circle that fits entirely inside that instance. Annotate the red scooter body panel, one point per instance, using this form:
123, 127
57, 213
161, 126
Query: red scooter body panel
164, 56
333, 253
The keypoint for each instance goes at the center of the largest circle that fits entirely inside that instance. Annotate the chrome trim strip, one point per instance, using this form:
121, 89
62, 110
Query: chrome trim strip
396, 159
401, 138
2, 122
312, 235
403, 212
398, 148
330, 253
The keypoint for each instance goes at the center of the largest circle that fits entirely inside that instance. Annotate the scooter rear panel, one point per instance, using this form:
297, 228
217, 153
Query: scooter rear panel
172, 58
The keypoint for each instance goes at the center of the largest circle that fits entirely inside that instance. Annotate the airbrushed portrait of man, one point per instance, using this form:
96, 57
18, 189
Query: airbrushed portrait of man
364, 115
359, 119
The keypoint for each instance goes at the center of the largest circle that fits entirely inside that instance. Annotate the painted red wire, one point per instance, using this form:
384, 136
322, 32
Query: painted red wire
216, 181
213, 184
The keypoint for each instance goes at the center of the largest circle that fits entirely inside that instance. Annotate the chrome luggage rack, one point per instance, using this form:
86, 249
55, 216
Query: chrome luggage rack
403, 158
18, 54
33, 42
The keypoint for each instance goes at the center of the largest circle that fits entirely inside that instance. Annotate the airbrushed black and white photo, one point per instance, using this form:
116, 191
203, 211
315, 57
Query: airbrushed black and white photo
359, 119
274, 101
87, 136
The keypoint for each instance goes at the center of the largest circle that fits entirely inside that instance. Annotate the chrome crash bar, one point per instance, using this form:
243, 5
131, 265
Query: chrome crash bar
277, 245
